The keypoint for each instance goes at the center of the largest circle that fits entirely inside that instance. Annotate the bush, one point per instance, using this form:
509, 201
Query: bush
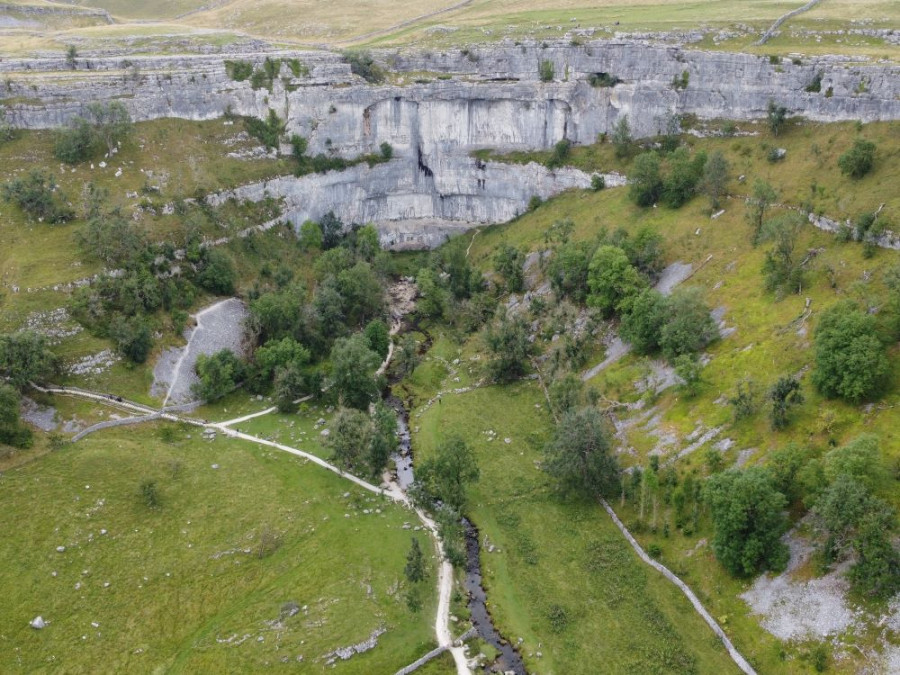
603, 80
815, 86
646, 181
76, 143
546, 71
38, 196
776, 116
218, 274
534, 203
858, 160
642, 325
268, 132
621, 137
613, 281
689, 327
387, 151
598, 182
133, 337
850, 359
362, 64
560, 154
149, 493
219, 374
239, 70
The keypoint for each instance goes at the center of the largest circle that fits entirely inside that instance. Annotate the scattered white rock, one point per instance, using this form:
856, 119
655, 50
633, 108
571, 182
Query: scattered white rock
38, 623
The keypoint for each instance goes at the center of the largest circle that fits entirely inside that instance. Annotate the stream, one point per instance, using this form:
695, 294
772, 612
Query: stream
509, 660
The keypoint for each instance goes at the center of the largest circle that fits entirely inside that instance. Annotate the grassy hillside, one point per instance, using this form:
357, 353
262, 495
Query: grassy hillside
546, 548
203, 582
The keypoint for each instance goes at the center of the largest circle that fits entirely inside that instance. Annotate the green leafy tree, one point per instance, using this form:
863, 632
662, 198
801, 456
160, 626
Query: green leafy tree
278, 354
25, 357
858, 160
566, 393
646, 185
310, 236
785, 465
384, 441
75, 142
362, 292
332, 230
290, 384
714, 183
642, 325
689, 368
568, 271
447, 474
613, 281
71, 55
509, 262
353, 367
113, 239
781, 269
621, 137
579, 455
758, 205
111, 123
415, 562
378, 337
860, 458
433, 300
218, 274
509, 348
747, 513
850, 359
12, 432
776, 116
133, 337
689, 326
349, 438
784, 394
684, 174
218, 375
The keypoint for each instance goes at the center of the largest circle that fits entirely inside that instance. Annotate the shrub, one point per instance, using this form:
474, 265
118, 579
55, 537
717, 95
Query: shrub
776, 116
646, 181
76, 143
268, 132
603, 80
37, 195
681, 82
560, 154
850, 359
621, 137
613, 281
239, 70
218, 274
689, 327
815, 86
362, 64
858, 160
387, 151
535, 202
545, 71
598, 182
133, 337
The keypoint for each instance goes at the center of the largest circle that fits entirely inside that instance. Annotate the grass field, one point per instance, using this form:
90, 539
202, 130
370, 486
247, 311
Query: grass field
425, 22
182, 587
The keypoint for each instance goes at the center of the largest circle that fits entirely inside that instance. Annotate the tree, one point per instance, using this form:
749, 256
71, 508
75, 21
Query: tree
113, 239
689, 326
784, 394
621, 137
349, 437
785, 465
715, 178
25, 357
362, 64
353, 367
690, 369
378, 337
860, 458
7, 131
776, 116
509, 262
132, 336
579, 455
290, 383
781, 271
546, 71
76, 142
276, 354
646, 181
219, 375
12, 432
850, 359
332, 230
566, 393
433, 300
560, 154
310, 236
613, 282
71, 55
362, 292
384, 441
858, 160
757, 205
747, 513
685, 172
568, 270
415, 562
111, 123
218, 274
447, 474
642, 325
509, 347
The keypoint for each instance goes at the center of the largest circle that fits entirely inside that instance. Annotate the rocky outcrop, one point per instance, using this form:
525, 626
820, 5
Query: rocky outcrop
442, 105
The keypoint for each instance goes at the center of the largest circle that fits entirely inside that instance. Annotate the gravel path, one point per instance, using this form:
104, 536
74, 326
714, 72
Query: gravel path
219, 326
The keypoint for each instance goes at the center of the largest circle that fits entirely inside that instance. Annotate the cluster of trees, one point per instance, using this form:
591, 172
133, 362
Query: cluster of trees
103, 128
676, 177
25, 357
145, 277
363, 442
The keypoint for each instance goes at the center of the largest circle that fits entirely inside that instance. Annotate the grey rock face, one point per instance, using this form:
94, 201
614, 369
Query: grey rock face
494, 98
